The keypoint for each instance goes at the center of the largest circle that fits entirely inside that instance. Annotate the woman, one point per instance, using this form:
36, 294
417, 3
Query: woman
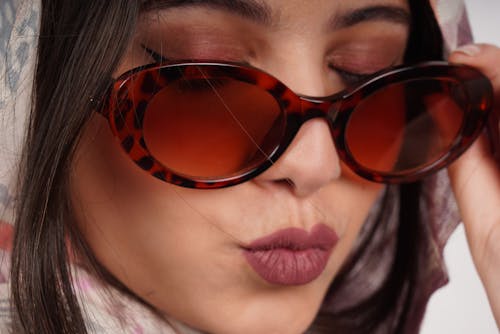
208, 258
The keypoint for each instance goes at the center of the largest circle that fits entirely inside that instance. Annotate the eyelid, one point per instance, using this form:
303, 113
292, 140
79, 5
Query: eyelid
159, 58
348, 77
351, 78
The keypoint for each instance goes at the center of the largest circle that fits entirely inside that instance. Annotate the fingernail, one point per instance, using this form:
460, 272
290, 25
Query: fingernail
470, 50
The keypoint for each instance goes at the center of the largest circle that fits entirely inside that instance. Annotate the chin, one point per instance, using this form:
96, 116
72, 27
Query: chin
257, 327
284, 318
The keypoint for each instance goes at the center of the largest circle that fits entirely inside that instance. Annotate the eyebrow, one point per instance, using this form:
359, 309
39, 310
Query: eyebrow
250, 9
393, 14
259, 12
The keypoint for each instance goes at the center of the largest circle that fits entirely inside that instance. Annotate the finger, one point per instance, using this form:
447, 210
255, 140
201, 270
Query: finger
486, 58
475, 176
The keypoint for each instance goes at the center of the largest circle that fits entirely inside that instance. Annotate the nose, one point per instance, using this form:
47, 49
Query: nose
311, 161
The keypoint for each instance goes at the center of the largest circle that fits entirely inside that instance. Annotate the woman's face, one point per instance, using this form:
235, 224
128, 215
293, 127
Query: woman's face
257, 257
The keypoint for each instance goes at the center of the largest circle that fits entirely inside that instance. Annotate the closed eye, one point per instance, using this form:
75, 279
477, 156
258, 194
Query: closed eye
352, 78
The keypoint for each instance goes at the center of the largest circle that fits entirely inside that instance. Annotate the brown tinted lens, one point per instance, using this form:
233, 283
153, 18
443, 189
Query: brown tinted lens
406, 126
212, 128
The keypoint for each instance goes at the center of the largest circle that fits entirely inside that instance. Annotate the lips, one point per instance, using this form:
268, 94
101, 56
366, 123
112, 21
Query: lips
292, 256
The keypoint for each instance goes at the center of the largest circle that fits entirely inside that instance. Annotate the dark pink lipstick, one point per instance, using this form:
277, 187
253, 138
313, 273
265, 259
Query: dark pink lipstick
292, 256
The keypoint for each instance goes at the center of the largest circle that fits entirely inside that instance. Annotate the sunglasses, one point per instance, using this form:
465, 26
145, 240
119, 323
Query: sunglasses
212, 125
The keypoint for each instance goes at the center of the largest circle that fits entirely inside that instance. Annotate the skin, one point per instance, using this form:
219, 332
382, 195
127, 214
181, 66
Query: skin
180, 249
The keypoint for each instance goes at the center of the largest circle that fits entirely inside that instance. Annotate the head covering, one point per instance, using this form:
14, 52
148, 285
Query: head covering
452, 17
19, 25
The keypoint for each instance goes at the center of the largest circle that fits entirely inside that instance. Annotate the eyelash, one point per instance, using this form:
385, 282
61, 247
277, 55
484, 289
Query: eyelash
158, 58
349, 78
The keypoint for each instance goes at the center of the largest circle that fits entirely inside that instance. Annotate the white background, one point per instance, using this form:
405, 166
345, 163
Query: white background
462, 307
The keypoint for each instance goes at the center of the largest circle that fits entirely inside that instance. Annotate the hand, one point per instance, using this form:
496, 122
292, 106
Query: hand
475, 179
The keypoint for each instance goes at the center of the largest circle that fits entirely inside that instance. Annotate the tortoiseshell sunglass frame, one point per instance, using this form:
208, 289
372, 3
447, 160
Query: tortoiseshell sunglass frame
127, 100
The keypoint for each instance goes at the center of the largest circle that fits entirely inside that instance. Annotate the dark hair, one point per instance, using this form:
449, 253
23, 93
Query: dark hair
80, 44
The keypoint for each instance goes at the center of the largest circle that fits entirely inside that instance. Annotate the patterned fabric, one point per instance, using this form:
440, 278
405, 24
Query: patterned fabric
109, 311
19, 23
454, 23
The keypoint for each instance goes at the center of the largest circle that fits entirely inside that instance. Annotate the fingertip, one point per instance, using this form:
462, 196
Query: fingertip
469, 50
483, 57
474, 52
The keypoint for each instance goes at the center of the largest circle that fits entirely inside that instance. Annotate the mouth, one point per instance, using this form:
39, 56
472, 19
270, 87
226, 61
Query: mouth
292, 256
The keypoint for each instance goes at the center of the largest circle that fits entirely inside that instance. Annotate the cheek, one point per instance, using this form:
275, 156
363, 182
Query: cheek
350, 199
104, 179
136, 225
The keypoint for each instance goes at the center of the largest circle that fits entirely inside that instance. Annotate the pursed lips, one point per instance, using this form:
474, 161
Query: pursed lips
291, 256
